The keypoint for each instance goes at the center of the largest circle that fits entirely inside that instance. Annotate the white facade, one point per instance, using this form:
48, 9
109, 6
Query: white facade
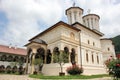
84, 39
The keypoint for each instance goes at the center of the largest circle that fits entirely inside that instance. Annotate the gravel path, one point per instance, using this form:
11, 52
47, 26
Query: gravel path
25, 77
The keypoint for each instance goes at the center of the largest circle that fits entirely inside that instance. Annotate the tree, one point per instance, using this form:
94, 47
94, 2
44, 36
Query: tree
39, 63
61, 60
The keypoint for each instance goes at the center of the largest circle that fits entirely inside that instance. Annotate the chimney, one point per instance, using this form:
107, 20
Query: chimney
15, 47
10, 45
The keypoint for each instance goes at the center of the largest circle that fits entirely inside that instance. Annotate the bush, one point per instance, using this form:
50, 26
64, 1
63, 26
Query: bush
74, 70
113, 66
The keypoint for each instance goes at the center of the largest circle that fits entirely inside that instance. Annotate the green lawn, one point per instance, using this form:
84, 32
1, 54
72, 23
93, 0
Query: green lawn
39, 76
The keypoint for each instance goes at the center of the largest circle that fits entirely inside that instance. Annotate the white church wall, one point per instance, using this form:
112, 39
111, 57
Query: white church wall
107, 48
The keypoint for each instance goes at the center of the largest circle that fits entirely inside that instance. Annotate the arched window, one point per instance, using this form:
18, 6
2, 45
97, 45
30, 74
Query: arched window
72, 56
72, 35
92, 58
10, 58
87, 57
16, 59
49, 56
93, 43
97, 59
108, 49
66, 55
56, 54
40, 54
88, 42
3, 58
22, 59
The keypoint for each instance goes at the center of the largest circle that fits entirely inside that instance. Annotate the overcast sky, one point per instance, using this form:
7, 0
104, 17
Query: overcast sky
20, 20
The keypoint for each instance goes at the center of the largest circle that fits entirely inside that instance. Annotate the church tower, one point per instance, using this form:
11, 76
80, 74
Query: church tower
74, 14
91, 21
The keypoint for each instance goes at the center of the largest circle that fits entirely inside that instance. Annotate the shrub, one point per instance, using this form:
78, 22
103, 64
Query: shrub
74, 70
113, 66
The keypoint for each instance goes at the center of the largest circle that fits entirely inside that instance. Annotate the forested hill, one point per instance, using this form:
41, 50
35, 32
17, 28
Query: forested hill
116, 42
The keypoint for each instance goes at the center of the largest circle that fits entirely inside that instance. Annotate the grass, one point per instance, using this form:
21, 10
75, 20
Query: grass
39, 76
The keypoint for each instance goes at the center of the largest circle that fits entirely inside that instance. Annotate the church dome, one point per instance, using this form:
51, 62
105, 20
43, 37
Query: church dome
91, 21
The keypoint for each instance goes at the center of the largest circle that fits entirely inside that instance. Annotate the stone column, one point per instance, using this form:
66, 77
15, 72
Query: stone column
33, 59
26, 69
32, 66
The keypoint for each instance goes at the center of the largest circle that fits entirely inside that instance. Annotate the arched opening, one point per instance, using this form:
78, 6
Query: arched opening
40, 54
56, 54
49, 56
3, 58
97, 59
10, 58
88, 42
16, 59
22, 59
66, 55
72, 56
87, 57
92, 58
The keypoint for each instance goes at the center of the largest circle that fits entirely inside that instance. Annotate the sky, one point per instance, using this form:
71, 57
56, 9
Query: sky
20, 20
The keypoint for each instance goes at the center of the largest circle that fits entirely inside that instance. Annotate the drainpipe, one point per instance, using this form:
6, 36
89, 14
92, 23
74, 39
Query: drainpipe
80, 49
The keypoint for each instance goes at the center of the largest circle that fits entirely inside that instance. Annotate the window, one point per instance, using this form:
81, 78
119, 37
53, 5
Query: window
88, 42
87, 57
93, 44
108, 49
72, 56
66, 55
97, 59
92, 58
75, 16
72, 35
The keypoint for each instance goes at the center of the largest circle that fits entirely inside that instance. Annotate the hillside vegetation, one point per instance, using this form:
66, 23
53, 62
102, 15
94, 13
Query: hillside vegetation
116, 42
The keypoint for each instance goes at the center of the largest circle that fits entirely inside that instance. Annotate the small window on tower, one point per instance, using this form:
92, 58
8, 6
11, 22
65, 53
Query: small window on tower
93, 43
108, 49
88, 42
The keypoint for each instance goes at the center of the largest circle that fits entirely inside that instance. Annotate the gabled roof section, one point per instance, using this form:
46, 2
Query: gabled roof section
94, 30
105, 39
40, 41
12, 50
54, 26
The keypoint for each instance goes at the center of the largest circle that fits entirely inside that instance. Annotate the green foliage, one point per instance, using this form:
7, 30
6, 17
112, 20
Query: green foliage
61, 59
38, 61
40, 76
74, 70
114, 67
116, 42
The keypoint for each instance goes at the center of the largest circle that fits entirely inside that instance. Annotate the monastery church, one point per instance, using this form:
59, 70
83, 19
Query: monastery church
80, 39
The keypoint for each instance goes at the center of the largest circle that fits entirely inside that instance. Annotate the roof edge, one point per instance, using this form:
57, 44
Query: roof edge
52, 27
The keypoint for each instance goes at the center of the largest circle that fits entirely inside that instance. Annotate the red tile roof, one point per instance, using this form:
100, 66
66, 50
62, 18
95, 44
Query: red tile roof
13, 50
